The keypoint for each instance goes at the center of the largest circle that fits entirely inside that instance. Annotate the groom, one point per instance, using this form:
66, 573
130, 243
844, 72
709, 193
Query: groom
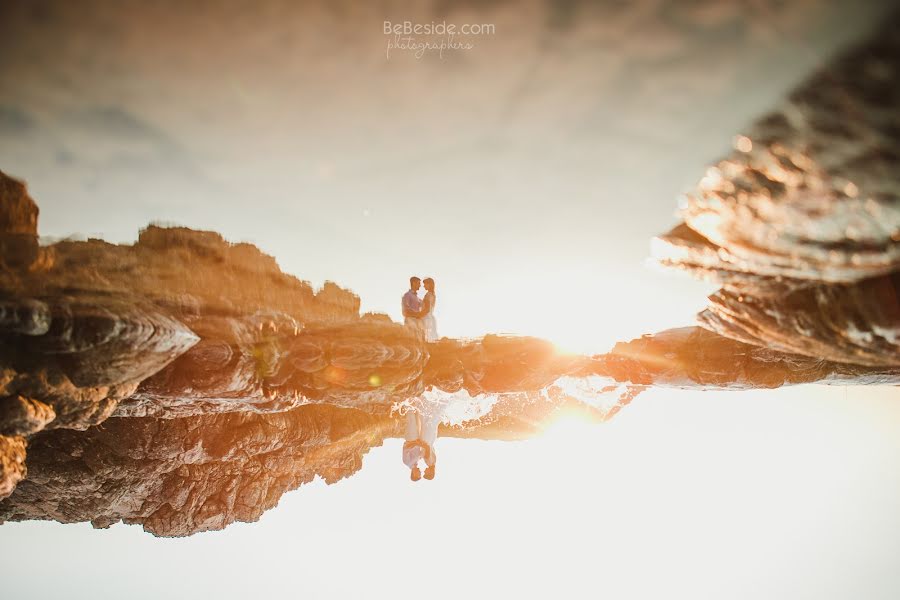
412, 306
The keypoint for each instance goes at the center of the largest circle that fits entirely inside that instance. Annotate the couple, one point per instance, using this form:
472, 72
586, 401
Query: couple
418, 313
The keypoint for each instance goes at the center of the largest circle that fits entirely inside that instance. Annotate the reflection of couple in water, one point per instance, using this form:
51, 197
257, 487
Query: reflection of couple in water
418, 313
423, 417
421, 431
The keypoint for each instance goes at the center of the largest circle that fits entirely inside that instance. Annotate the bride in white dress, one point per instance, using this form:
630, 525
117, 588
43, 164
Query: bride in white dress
428, 321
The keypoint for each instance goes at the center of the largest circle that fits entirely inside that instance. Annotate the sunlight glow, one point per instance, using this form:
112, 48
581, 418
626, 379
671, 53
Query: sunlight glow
568, 432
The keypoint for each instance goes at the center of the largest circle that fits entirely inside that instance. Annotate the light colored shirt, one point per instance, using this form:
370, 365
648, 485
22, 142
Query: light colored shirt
411, 302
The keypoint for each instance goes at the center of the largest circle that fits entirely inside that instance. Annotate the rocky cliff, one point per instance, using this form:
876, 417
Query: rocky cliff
801, 223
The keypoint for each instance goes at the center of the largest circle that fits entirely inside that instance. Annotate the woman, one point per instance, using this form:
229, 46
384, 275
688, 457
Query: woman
427, 313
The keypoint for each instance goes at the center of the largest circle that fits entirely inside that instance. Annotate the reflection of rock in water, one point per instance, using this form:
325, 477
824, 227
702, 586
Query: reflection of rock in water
207, 382
189, 474
184, 475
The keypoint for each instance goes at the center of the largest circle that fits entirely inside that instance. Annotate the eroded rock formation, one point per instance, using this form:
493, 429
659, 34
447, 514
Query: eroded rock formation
801, 227
812, 191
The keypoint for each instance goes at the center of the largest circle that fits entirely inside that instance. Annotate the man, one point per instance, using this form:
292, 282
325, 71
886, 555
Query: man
412, 306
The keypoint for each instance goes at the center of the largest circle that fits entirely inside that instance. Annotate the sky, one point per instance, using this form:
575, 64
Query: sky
527, 175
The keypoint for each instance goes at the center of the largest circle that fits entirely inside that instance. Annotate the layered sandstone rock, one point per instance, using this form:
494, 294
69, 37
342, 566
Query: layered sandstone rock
812, 191
801, 224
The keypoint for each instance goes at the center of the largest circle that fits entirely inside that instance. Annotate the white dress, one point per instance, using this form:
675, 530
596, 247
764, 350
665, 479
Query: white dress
428, 321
